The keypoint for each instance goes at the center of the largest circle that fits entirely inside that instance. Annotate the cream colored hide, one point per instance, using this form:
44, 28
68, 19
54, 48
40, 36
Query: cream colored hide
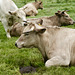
61, 18
57, 45
9, 14
31, 9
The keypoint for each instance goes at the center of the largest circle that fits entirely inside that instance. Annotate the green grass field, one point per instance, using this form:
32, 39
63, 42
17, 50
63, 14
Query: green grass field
11, 57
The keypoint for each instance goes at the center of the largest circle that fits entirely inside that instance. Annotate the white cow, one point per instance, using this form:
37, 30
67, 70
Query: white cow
9, 14
31, 9
56, 44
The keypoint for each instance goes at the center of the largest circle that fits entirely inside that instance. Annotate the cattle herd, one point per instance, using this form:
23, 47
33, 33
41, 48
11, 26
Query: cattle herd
56, 43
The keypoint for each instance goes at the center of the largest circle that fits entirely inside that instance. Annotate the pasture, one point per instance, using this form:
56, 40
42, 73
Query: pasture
11, 58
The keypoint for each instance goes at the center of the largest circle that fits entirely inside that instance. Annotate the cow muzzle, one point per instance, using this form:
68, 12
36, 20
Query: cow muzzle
25, 23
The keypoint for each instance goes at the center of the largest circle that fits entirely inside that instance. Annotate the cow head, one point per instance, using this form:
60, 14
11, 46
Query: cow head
18, 16
29, 36
39, 4
64, 18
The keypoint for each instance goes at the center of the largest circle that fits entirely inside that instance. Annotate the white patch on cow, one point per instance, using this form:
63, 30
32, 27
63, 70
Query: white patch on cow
7, 6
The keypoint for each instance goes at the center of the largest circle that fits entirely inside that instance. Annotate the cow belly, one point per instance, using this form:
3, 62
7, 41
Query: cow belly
73, 54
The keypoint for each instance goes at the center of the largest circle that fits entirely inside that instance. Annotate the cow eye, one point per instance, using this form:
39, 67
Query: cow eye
26, 33
18, 17
66, 16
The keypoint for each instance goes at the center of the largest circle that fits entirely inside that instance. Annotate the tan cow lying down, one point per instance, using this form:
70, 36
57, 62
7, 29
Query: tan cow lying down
31, 9
17, 28
57, 45
60, 18
55, 20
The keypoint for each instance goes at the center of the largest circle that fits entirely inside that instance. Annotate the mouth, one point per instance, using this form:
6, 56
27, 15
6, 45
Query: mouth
28, 46
41, 8
19, 47
74, 22
71, 23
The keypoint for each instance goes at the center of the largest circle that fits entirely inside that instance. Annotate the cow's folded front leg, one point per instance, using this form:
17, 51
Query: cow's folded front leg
8, 34
6, 27
57, 61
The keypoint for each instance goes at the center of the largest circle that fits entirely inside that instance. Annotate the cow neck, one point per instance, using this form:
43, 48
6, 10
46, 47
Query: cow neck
36, 5
39, 45
56, 20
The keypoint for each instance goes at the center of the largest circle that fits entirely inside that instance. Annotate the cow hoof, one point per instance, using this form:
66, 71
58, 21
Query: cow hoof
8, 36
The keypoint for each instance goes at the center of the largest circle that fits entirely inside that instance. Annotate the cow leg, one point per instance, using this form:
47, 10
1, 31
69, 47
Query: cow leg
6, 27
34, 13
31, 13
58, 60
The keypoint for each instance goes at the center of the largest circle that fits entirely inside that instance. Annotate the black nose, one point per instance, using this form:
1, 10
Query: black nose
25, 24
16, 44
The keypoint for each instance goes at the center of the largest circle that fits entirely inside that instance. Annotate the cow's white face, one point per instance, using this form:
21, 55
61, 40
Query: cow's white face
19, 16
29, 36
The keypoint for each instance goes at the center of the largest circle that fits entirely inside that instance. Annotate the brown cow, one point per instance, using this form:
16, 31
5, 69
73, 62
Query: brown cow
17, 28
60, 18
56, 44
31, 9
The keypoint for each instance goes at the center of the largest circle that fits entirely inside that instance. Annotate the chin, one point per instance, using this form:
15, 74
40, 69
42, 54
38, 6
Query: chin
28, 46
19, 47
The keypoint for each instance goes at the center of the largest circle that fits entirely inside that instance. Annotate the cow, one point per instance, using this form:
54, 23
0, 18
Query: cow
55, 20
17, 28
31, 9
59, 19
56, 44
9, 14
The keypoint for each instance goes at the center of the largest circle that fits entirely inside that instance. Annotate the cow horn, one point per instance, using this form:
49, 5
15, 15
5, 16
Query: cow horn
65, 10
59, 11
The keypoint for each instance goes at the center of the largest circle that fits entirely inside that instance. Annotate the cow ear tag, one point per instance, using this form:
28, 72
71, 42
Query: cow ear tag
40, 24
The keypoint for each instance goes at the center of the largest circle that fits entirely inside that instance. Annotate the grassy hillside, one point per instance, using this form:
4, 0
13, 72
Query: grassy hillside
11, 57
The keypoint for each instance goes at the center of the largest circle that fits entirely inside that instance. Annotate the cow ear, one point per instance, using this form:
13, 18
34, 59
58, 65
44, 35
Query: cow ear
40, 22
57, 14
24, 8
12, 13
63, 12
40, 2
41, 30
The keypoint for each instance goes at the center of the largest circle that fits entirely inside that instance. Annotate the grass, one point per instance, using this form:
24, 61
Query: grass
11, 58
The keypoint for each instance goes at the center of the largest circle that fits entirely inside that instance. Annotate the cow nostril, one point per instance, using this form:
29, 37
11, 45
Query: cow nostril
16, 44
25, 24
